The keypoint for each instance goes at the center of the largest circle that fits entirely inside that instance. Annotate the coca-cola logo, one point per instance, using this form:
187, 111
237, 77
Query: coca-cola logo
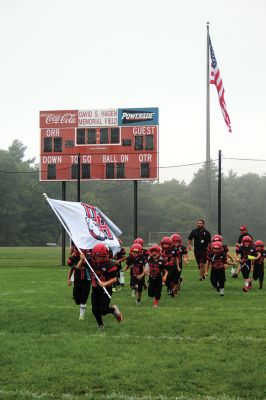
67, 118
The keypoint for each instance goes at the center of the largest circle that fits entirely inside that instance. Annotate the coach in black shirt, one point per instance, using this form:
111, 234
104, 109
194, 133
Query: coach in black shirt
202, 238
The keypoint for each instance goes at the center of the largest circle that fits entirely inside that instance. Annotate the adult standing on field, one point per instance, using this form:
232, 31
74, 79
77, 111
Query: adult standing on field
202, 239
243, 232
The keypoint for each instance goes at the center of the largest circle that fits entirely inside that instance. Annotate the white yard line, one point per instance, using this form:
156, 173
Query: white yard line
123, 336
112, 396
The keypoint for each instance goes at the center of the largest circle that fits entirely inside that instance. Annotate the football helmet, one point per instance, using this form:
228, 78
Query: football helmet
176, 238
217, 246
259, 243
166, 240
100, 253
139, 241
136, 250
217, 238
155, 250
247, 239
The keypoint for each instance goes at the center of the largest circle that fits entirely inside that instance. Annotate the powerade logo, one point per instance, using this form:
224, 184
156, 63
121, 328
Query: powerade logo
129, 116
138, 116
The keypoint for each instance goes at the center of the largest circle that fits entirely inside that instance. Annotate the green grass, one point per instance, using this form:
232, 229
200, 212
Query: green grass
197, 346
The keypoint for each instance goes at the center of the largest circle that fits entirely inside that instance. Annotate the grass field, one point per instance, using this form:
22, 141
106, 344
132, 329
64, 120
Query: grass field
196, 346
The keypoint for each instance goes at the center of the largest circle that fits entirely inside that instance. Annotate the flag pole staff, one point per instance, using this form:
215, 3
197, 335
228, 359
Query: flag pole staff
208, 145
69, 234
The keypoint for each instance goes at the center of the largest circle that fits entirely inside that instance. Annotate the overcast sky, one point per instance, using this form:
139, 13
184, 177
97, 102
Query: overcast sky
83, 54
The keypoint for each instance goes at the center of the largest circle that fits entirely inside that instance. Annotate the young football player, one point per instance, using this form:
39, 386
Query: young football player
218, 262
183, 255
219, 238
170, 255
145, 253
81, 279
119, 258
260, 254
136, 262
157, 273
73, 259
106, 271
244, 253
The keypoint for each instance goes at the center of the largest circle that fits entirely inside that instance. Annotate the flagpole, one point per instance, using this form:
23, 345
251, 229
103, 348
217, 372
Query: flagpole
208, 144
69, 234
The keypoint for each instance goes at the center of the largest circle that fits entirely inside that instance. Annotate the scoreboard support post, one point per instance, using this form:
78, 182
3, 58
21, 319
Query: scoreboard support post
78, 180
63, 259
135, 209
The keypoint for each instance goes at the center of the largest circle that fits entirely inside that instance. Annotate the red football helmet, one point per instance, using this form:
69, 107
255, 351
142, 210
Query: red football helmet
247, 240
139, 241
166, 240
155, 250
176, 238
136, 250
100, 253
259, 243
217, 238
217, 246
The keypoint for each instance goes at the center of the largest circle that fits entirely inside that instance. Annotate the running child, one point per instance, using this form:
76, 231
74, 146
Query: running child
106, 271
136, 262
260, 254
118, 259
218, 262
183, 255
219, 238
170, 255
243, 254
81, 278
157, 273
145, 253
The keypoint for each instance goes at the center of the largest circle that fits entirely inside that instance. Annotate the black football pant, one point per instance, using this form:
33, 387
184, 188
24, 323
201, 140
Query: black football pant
81, 291
217, 277
137, 284
245, 269
155, 288
100, 303
258, 272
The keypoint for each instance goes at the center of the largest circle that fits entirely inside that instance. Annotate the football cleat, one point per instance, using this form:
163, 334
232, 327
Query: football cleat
117, 314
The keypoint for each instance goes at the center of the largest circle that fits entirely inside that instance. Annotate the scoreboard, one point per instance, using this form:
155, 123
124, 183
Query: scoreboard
112, 143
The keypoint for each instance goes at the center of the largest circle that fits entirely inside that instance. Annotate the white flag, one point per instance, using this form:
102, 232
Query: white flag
87, 224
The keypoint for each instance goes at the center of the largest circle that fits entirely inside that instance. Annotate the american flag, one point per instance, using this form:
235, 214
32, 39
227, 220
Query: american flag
216, 80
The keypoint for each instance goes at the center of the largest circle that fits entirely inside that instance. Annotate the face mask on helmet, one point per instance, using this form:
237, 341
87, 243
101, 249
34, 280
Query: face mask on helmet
136, 250
246, 241
176, 238
155, 251
100, 253
217, 247
259, 244
217, 238
166, 242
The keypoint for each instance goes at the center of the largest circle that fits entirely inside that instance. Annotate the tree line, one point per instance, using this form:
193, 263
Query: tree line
27, 220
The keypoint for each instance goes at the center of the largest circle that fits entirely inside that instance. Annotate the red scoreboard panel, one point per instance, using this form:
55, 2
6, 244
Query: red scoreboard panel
112, 143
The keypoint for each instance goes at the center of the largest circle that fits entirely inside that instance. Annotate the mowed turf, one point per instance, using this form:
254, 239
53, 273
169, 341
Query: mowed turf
196, 346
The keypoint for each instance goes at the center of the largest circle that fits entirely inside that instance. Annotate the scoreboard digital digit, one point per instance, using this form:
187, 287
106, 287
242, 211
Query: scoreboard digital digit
113, 144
